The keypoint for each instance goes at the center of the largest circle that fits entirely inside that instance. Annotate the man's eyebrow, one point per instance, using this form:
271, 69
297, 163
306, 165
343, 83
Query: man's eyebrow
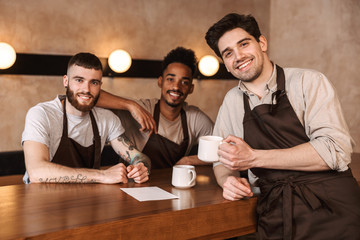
173, 75
78, 77
240, 41
225, 50
82, 78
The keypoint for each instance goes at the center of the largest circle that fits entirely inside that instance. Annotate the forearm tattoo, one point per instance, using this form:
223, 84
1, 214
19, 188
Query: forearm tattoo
129, 147
136, 159
68, 179
127, 156
126, 141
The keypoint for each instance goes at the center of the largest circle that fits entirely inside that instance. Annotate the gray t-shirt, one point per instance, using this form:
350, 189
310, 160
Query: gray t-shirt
199, 124
44, 124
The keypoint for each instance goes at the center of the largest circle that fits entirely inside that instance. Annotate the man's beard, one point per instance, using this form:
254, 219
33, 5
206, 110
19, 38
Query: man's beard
250, 78
253, 73
73, 101
174, 105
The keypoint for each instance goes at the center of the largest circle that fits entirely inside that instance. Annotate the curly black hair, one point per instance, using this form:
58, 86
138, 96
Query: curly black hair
180, 55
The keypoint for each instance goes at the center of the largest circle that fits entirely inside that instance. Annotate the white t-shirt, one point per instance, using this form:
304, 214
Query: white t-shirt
44, 124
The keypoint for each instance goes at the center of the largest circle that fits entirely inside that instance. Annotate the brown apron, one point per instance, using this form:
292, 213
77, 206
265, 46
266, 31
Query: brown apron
163, 152
298, 204
72, 154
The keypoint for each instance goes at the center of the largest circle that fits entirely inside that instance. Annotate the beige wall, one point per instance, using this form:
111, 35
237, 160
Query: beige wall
148, 29
322, 35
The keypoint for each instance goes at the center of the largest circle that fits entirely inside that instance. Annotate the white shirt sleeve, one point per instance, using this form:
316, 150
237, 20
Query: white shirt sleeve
37, 127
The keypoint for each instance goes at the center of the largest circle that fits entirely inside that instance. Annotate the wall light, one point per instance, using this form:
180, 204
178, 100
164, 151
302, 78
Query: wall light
208, 65
119, 61
7, 55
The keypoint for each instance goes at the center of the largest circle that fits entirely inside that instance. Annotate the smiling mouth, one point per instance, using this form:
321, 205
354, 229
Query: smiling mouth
175, 94
85, 97
244, 65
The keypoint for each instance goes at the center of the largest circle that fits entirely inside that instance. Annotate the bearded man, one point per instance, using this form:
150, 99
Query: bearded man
63, 138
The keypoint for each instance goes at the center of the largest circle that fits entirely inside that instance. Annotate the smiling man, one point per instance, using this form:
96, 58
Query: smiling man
287, 126
63, 138
179, 124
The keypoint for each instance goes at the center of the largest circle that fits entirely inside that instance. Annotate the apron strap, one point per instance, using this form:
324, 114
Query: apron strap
157, 114
65, 125
183, 120
96, 160
97, 142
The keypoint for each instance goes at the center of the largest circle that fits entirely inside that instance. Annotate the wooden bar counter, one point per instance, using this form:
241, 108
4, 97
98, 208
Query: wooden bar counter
98, 211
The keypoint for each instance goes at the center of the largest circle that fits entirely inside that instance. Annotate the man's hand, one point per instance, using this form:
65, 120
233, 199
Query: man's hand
115, 174
143, 117
139, 172
140, 164
236, 188
236, 154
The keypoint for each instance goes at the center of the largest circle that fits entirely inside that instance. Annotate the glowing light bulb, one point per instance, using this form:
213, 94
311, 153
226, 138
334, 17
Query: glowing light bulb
208, 65
119, 61
7, 55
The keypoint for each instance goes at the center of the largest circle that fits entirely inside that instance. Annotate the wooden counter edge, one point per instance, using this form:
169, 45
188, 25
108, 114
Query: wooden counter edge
217, 221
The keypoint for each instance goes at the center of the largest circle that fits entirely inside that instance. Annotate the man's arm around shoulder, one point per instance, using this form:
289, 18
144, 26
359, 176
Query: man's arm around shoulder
142, 116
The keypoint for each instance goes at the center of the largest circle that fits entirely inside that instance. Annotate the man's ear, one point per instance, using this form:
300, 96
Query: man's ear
191, 89
65, 81
160, 79
263, 43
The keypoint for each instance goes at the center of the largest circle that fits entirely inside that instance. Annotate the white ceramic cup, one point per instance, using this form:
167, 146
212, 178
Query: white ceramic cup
183, 176
208, 147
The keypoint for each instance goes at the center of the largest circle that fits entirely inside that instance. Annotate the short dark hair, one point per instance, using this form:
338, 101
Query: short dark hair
230, 22
180, 55
86, 60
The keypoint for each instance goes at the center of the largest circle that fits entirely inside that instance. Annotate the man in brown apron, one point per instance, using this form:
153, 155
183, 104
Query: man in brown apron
63, 138
179, 125
286, 125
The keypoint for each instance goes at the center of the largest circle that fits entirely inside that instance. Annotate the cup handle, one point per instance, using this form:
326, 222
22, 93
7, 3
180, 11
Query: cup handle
193, 178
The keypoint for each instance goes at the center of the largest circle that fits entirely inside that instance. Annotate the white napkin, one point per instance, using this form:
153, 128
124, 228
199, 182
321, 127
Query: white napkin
149, 193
